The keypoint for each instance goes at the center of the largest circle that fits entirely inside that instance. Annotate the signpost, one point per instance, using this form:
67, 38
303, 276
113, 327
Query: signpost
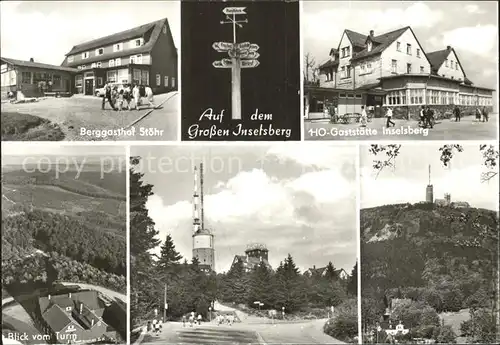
242, 55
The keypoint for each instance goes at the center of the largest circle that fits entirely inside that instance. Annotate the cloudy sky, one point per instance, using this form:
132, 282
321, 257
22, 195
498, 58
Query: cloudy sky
46, 30
470, 27
408, 180
297, 199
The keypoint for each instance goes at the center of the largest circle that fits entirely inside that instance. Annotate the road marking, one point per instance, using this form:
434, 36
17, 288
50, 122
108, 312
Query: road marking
150, 111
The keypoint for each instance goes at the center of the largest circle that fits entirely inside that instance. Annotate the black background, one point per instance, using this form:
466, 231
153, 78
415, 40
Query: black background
272, 87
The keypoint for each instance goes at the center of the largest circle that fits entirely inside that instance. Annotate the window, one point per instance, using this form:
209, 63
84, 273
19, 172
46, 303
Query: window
369, 66
84, 66
394, 66
443, 97
408, 68
343, 95
348, 70
359, 96
78, 80
118, 62
71, 58
122, 76
362, 67
350, 95
398, 46
416, 96
138, 42
421, 69
342, 72
396, 97
408, 49
158, 80
118, 47
111, 76
446, 62
418, 52
99, 51
99, 81
369, 46
164, 29
136, 76
136, 59
85, 55
165, 81
26, 77
145, 77
111, 63
456, 65
348, 50
173, 81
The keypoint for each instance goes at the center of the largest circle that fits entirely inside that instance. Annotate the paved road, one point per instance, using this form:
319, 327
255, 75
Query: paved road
467, 129
104, 291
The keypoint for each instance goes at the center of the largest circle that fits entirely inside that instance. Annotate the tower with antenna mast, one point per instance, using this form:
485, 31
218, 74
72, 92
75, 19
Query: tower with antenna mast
429, 191
203, 239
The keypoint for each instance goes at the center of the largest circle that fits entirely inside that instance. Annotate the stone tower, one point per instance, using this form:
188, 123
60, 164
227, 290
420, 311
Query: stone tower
429, 191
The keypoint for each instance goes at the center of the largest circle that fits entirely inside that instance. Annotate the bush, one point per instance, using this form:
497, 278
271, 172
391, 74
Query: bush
344, 326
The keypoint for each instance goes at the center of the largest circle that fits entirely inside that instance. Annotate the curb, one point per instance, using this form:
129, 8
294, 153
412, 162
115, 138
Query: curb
141, 336
150, 111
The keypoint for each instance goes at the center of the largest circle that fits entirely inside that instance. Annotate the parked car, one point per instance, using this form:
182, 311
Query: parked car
101, 92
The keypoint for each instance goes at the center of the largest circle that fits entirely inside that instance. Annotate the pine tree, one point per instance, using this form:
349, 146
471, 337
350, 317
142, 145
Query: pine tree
260, 288
352, 284
330, 272
168, 255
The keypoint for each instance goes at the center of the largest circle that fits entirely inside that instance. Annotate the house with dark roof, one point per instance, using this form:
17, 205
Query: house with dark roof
76, 317
392, 69
255, 254
143, 55
34, 79
321, 271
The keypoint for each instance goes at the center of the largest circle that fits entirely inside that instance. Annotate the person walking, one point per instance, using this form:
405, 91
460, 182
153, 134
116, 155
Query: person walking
485, 114
107, 96
137, 98
429, 117
478, 115
421, 121
183, 321
199, 319
456, 111
148, 327
388, 114
364, 117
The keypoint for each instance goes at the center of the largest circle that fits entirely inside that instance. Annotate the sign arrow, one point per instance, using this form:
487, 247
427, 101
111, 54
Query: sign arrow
250, 55
243, 45
227, 62
220, 64
249, 63
253, 47
222, 46
234, 10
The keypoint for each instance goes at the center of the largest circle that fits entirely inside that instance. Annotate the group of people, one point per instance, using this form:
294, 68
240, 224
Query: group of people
131, 94
193, 320
154, 326
225, 319
482, 115
426, 117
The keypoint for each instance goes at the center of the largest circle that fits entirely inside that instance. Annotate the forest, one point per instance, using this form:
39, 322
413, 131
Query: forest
189, 289
438, 259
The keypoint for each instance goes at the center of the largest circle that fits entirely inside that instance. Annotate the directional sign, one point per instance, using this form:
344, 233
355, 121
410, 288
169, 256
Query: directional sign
243, 45
249, 55
253, 47
220, 64
227, 62
249, 63
234, 10
222, 46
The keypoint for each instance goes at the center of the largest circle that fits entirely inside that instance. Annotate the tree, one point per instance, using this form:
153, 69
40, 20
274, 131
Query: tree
330, 272
310, 68
168, 254
352, 283
260, 287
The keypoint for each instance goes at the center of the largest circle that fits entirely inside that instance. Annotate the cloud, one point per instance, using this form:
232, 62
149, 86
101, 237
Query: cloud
479, 40
473, 8
328, 25
312, 216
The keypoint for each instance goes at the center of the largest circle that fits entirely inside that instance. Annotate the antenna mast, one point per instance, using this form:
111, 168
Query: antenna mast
201, 197
196, 216
429, 174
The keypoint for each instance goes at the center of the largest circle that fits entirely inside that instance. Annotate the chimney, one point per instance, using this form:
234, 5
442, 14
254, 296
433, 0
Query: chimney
372, 33
32, 60
81, 308
448, 47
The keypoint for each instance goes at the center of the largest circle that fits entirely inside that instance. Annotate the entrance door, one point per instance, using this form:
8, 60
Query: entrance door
89, 86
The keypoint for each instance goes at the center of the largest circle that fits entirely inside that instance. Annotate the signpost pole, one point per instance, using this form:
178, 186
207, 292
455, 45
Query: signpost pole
235, 80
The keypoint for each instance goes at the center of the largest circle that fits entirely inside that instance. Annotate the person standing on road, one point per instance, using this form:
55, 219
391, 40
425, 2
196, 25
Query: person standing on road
456, 111
485, 114
478, 115
148, 327
388, 114
107, 96
183, 321
199, 319
137, 97
364, 117
421, 122
429, 117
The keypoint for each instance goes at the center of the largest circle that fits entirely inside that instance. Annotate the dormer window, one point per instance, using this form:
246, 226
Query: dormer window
99, 52
85, 55
118, 47
71, 58
68, 308
138, 42
369, 46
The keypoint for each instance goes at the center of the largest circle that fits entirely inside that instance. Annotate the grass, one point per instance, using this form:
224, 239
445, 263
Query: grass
25, 127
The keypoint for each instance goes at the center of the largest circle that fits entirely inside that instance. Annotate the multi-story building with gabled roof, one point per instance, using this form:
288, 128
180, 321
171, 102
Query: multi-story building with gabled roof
392, 69
143, 55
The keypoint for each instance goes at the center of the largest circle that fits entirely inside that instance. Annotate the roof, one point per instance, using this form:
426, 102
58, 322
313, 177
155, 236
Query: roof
329, 63
368, 86
89, 299
62, 301
56, 318
86, 317
202, 232
30, 64
155, 28
256, 246
356, 38
437, 58
118, 37
381, 43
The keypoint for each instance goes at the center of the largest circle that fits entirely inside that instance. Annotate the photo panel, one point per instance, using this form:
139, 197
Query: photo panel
429, 243
240, 244
64, 248
240, 71
400, 70
112, 78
